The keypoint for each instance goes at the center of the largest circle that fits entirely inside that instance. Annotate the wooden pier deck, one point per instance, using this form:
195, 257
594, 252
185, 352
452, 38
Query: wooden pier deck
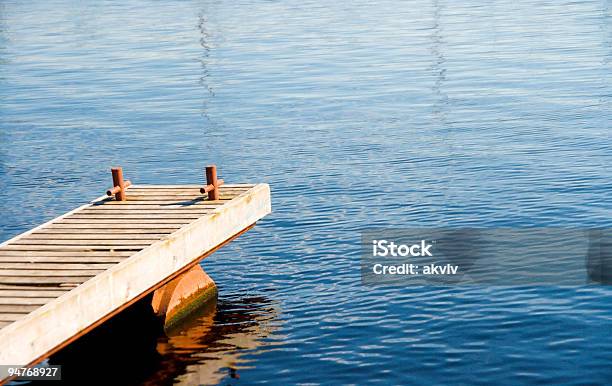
65, 277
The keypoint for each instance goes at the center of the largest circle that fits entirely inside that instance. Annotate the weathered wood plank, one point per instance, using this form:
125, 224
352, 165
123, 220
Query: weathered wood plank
56, 266
22, 287
26, 301
150, 197
4, 260
191, 186
117, 209
77, 254
95, 236
148, 205
179, 188
137, 216
85, 242
10, 317
110, 232
17, 308
4, 324
122, 221
162, 186
32, 293
72, 248
48, 273
173, 205
175, 199
109, 227
184, 196
55, 280
183, 192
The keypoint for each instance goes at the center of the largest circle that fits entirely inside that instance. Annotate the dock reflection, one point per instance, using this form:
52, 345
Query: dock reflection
206, 347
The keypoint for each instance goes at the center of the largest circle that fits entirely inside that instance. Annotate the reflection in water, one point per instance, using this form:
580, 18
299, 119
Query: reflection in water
207, 347
205, 42
133, 349
441, 97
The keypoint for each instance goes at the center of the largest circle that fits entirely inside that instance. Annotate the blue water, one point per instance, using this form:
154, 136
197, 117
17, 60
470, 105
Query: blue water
359, 114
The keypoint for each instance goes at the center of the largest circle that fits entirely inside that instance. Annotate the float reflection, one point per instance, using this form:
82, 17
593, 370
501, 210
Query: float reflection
208, 345
202, 349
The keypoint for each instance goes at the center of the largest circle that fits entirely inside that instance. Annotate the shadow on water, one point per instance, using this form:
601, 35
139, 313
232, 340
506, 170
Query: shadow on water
132, 348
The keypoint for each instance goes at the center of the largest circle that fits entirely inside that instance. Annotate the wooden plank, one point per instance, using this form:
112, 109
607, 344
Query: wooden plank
123, 221
85, 242
56, 280
55, 266
192, 186
148, 205
174, 192
4, 260
22, 287
10, 317
32, 293
185, 196
137, 216
185, 205
116, 209
175, 199
44, 225
110, 232
108, 227
193, 189
165, 199
173, 187
4, 324
182, 194
81, 254
95, 236
73, 248
48, 273
17, 308
108, 292
184, 191
26, 301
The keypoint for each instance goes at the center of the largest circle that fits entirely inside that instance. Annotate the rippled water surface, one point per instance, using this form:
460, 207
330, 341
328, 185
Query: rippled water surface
359, 114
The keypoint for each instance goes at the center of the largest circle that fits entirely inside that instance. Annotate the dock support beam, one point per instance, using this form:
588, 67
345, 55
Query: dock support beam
179, 297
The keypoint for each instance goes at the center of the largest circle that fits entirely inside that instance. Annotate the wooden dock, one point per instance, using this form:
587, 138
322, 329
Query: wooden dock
67, 276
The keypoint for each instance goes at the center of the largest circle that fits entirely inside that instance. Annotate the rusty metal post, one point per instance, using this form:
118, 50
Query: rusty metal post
119, 185
211, 179
118, 181
212, 183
